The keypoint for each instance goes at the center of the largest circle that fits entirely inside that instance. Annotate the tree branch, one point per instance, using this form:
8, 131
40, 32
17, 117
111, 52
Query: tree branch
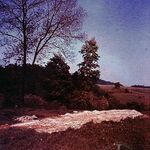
7, 34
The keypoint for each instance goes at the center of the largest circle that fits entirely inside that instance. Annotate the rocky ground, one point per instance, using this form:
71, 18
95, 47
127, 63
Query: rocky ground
87, 130
73, 120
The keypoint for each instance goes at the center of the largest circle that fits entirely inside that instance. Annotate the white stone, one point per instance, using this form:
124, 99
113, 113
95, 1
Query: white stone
77, 119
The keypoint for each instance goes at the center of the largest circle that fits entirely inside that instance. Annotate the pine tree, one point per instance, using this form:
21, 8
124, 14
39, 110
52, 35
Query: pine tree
57, 67
58, 79
89, 68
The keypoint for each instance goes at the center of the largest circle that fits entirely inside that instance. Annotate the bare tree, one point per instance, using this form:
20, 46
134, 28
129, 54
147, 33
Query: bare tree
31, 28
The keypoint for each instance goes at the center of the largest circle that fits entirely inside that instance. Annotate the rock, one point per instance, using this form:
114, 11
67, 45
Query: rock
77, 119
26, 118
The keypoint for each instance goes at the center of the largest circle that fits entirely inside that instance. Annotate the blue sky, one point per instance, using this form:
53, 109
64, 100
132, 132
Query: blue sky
122, 30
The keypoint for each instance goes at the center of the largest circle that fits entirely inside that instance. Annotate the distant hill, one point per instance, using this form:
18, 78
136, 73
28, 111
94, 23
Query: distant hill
103, 82
140, 86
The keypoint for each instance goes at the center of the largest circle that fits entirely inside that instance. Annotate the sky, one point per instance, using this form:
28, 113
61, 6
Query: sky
122, 31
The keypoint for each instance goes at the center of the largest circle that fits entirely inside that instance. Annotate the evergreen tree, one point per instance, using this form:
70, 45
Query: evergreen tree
89, 68
57, 67
58, 79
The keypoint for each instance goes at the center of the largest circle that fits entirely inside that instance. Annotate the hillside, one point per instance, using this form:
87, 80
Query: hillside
126, 96
104, 82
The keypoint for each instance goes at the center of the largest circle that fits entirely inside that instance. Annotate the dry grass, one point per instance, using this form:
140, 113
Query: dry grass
105, 136
126, 95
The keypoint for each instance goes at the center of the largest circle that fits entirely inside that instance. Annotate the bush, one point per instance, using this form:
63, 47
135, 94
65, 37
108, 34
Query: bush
56, 89
57, 83
2, 99
80, 100
103, 103
34, 101
117, 85
100, 92
115, 104
87, 100
127, 91
135, 105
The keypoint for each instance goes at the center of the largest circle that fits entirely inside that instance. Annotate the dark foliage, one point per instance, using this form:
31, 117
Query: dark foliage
34, 78
89, 69
57, 82
52, 82
99, 92
103, 82
140, 86
136, 106
10, 81
114, 104
117, 85
80, 82
127, 91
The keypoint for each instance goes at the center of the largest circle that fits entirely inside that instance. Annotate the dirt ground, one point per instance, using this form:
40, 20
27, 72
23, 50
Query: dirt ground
130, 133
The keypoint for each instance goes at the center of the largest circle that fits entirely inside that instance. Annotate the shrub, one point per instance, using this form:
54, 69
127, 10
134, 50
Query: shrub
115, 104
57, 83
56, 89
87, 100
103, 103
99, 92
78, 100
117, 85
2, 99
34, 101
135, 105
127, 91
80, 83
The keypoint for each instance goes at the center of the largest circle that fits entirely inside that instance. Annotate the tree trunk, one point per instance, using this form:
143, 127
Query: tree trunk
34, 59
24, 27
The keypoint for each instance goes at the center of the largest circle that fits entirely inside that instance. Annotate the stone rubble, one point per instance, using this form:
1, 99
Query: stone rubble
76, 119
26, 118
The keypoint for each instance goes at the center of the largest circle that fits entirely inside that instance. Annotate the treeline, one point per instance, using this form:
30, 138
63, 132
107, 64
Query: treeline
50, 82
140, 86
54, 82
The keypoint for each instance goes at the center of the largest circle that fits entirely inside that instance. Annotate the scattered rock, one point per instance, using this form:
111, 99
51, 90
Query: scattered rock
75, 120
26, 118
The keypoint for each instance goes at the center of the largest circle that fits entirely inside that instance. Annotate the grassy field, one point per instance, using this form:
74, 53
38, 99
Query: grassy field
125, 95
128, 134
